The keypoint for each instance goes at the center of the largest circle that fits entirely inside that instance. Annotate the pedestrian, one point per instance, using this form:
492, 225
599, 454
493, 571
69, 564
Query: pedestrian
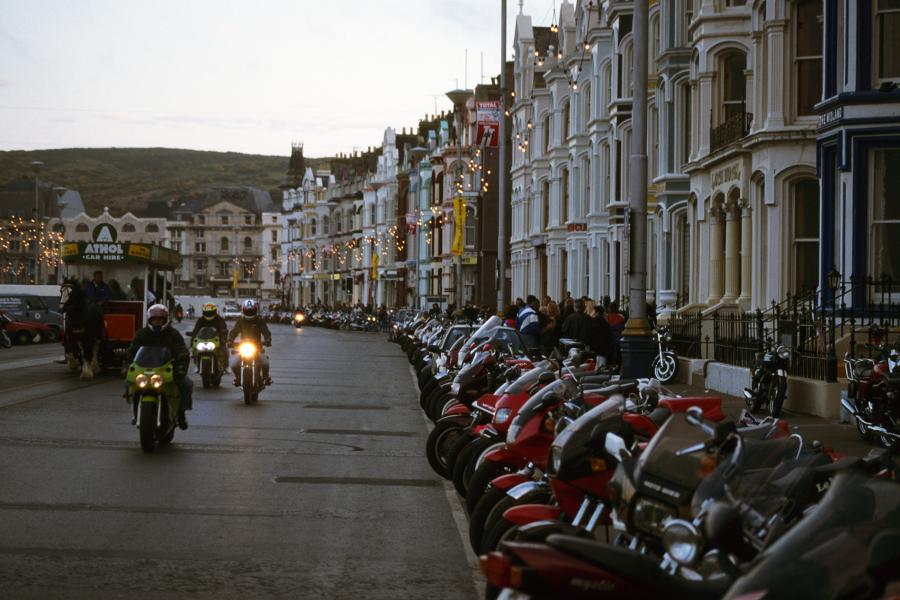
578, 325
617, 326
601, 336
528, 324
549, 335
509, 316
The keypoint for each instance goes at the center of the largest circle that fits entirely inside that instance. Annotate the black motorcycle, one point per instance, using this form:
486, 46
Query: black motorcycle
769, 381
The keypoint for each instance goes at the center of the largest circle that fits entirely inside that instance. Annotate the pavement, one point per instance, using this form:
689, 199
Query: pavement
320, 490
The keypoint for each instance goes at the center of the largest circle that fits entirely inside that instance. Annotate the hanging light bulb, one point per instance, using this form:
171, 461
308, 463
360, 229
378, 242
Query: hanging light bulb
529, 124
587, 46
559, 55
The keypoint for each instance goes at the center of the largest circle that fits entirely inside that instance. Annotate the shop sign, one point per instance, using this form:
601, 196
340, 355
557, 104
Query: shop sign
576, 227
726, 174
470, 260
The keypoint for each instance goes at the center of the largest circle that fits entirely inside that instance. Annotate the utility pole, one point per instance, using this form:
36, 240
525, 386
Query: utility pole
36, 167
636, 352
501, 171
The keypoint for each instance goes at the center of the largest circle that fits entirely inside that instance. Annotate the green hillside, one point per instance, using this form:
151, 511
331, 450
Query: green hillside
129, 177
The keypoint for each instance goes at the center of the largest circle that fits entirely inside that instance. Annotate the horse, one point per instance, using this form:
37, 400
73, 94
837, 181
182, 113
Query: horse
83, 330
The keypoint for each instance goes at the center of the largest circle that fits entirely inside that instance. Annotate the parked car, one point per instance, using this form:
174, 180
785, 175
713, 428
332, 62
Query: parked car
231, 311
29, 307
26, 332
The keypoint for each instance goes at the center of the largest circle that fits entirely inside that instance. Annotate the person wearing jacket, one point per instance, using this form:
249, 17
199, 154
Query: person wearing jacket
210, 318
160, 334
250, 328
578, 326
528, 323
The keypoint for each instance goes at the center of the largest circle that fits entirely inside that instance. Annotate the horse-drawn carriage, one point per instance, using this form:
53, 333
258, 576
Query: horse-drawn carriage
97, 336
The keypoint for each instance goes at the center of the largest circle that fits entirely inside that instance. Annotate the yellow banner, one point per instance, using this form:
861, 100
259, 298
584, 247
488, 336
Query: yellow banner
459, 225
234, 279
375, 259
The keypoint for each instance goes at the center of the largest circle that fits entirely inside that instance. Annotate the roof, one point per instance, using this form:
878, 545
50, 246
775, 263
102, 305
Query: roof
17, 197
249, 198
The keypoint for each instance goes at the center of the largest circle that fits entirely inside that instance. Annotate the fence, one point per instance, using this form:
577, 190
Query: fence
686, 332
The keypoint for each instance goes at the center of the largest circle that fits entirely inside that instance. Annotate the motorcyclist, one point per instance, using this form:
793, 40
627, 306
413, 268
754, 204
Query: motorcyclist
250, 328
211, 318
159, 334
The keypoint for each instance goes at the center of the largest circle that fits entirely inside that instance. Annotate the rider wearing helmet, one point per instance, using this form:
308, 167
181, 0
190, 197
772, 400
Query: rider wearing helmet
251, 328
160, 334
211, 318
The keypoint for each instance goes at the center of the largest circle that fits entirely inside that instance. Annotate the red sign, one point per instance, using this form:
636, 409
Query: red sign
488, 120
576, 227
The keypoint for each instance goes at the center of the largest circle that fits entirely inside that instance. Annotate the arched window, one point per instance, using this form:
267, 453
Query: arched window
338, 222
566, 121
152, 228
248, 245
734, 85
223, 245
312, 227
81, 228
564, 197
325, 225
128, 228
59, 228
545, 133
808, 55
805, 193
586, 105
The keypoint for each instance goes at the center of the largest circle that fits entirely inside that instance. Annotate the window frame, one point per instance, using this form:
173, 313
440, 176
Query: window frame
877, 79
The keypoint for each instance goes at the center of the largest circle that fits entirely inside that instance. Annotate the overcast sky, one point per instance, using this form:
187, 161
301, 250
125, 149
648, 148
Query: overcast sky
237, 75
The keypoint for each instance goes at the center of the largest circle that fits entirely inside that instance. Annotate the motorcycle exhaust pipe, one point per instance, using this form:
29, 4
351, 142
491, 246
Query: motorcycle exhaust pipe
848, 406
882, 431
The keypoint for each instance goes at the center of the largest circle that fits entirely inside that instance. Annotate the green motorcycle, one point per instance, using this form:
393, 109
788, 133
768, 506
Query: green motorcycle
208, 356
154, 396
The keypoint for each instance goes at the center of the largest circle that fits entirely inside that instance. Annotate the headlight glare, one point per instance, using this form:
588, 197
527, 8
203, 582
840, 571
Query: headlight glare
555, 459
156, 381
141, 380
513, 432
454, 389
502, 415
247, 350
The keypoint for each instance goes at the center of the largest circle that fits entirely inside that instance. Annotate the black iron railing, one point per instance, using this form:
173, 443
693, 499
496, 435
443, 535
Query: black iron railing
686, 332
733, 129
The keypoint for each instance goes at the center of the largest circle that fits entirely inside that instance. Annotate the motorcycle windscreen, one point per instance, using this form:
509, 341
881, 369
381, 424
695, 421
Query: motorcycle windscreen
207, 333
508, 339
851, 536
528, 379
152, 357
659, 460
536, 402
453, 334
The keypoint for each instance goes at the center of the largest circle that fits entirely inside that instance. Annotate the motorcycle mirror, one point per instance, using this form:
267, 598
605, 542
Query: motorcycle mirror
723, 430
434, 348
723, 527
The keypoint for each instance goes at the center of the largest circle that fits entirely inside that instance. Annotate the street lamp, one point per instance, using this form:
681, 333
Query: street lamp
833, 280
36, 167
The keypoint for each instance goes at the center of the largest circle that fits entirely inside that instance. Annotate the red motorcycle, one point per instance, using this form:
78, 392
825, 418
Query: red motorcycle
873, 394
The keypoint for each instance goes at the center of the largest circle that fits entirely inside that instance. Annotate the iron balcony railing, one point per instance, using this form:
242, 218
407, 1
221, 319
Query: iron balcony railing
733, 129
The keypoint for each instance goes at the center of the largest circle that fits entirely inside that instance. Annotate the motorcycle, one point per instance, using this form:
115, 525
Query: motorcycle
873, 396
208, 356
298, 319
250, 371
154, 396
769, 380
665, 363
178, 313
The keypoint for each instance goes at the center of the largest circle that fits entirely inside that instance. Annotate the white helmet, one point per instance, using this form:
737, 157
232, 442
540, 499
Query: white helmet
250, 309
158, 311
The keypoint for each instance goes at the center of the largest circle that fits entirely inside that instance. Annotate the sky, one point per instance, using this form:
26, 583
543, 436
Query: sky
238, 76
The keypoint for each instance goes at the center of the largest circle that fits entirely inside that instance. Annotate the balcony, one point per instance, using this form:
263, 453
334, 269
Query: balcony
734, 128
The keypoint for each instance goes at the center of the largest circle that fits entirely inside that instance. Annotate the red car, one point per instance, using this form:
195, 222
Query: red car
25, 332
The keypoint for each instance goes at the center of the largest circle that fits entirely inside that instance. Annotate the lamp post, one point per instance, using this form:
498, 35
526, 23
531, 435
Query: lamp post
36, 167
501, 170
833, 279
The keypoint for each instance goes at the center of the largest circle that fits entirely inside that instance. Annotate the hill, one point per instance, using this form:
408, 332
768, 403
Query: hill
130, 177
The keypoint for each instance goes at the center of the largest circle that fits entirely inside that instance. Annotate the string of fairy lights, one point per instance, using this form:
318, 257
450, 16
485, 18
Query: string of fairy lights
522, 134
18, 237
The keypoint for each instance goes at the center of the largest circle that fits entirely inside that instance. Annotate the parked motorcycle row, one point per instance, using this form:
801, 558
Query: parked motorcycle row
580, 484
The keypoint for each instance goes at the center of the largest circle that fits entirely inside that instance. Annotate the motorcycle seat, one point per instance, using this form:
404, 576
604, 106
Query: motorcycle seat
659, 415
589, 379
638, 567
623, 386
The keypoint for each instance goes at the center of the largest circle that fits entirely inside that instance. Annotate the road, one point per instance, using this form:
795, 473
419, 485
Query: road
320, 490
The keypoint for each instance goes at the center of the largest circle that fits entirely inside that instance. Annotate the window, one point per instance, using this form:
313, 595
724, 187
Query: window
128, 228
545, 132
81, 228
586, 200
248, 219
325, 225
734, 86
201, 233
586, 109
808, 55
223, 269
176, 234
545, 201
248, 245
564, 197
223, 219
200, 247
223, 245
686, 124
566, 116
274, 254
312, 227
469, 239
201, 220
152, 228
59, 228
806, 234
338, 223
200, 264
274, 235
887, 44
884, 244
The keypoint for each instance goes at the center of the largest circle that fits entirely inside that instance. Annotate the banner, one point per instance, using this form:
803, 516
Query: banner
234, 279
488, 115
459, 225
375, 260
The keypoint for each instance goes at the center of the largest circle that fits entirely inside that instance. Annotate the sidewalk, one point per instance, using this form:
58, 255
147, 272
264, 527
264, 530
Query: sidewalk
842, 437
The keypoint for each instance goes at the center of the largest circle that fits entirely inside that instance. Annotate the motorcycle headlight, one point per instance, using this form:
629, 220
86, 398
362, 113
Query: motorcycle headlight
649, 515
785, 354
502, 415
513, 433
667, 337
247, 350
141, 380
555, 459
682, 541
156, 381
454, 389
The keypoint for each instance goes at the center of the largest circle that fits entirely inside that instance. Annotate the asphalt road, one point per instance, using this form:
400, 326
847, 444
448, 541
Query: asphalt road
320, 490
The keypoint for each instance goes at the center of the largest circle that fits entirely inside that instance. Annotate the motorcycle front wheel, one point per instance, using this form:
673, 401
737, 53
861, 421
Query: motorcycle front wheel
147, 427
665, 367
776, 396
